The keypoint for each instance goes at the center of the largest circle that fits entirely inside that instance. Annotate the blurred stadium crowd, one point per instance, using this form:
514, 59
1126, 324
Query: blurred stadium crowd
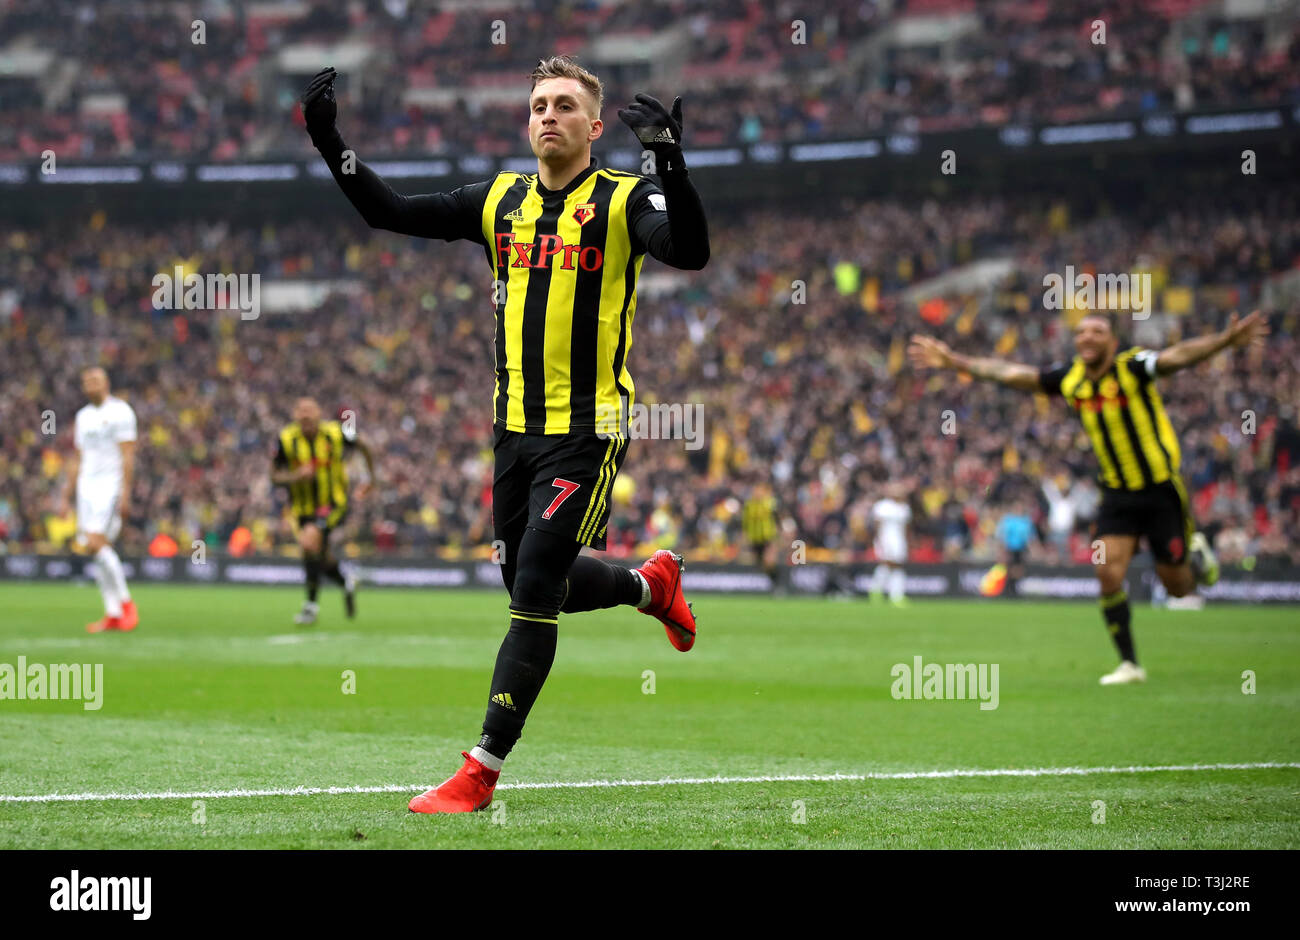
99, 81
814, 399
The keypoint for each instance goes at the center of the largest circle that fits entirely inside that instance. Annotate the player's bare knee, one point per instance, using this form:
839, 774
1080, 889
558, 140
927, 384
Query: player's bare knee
1110, 578
1180, 584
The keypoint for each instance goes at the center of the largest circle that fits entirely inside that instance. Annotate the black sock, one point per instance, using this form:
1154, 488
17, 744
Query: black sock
525, 658
595, 585
331, 570
523, 663
312, 567
1114, 607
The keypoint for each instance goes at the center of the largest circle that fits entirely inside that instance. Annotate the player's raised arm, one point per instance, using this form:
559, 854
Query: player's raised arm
671, 225
1189, 352
930, 353
361, 445
448, 216
366, 455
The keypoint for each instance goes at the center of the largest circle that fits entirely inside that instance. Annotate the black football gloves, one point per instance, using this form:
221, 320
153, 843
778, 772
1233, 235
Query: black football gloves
319, 108
658, 131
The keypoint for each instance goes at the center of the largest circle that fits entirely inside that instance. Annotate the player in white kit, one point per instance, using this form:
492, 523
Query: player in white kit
890, 518
100, 472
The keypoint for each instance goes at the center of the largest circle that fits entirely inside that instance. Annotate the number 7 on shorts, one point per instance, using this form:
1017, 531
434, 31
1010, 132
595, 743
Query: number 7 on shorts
567, 489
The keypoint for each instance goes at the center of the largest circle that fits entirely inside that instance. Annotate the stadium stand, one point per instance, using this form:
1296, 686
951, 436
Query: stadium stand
815, 397
106, 81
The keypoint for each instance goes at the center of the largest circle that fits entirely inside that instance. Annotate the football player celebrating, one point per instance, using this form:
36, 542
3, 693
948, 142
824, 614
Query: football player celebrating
100, 475
565, 245
1115, 396
309, 463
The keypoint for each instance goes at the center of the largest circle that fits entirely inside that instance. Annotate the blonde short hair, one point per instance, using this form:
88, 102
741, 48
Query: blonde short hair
564, 66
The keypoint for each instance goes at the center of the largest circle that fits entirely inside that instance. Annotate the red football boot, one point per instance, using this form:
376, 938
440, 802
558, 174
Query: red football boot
663, 572
467, 790
130, 616
104, 623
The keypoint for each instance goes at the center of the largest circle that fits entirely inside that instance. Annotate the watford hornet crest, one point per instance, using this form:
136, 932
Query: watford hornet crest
585, 212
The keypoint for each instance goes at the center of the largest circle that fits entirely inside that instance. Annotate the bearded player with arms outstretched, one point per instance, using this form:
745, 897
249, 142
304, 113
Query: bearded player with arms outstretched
1114, 393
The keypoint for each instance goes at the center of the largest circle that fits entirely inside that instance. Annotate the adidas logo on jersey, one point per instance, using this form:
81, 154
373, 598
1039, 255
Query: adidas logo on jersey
517, 215
503, 699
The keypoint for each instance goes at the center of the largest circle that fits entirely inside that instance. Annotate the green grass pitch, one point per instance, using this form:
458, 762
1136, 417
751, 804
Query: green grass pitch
218, 691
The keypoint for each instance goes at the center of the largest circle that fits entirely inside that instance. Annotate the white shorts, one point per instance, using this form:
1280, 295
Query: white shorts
893, 551
97, 511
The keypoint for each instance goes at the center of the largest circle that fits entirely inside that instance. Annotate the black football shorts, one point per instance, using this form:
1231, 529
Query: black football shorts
560, 483
1160, 513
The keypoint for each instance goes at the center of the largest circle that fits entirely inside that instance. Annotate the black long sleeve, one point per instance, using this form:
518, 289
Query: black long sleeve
448, 216
675, 231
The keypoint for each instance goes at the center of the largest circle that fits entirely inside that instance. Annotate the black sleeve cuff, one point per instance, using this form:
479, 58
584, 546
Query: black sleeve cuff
670, 163
329, 143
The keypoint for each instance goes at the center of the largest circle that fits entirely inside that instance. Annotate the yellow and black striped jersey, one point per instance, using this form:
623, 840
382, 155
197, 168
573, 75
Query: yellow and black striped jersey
325, 493
565, 266
566, 269
1124, 418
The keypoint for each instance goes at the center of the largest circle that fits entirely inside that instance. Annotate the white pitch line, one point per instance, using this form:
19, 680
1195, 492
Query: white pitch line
662, 782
